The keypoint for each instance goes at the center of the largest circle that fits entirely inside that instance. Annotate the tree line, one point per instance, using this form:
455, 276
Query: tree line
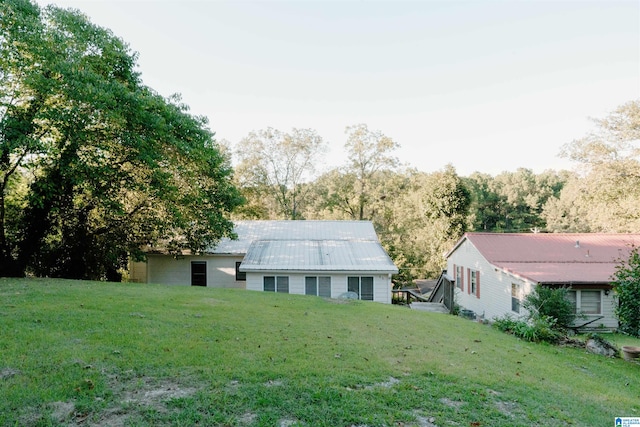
419, 216
95, 167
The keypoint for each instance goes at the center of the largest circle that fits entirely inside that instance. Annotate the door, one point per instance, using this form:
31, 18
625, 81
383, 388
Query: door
198, 273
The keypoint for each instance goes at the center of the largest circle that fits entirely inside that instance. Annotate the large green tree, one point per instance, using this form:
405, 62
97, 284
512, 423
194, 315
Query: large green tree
358, 190
100, 164
512, 201
604, 196
429, 216
276, 165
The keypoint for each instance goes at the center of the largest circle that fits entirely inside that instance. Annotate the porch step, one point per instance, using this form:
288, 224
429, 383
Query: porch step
434, 307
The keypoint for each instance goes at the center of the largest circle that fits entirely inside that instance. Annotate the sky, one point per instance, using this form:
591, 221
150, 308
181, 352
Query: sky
486, 86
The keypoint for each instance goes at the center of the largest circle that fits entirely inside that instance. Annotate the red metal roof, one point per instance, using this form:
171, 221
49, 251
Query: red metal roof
558, 257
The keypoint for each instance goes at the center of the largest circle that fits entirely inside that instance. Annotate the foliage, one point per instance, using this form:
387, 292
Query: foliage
427, 218
551, 303
537, 329
605, 196
276, 164
418, 216
368, 152
549, 313
78, 344
626, 288
95, 164
512, 201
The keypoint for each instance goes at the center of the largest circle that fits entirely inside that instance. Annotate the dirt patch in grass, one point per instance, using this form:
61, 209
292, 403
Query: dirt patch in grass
152, 392
247, 418
424, 421
6, 373
451, 403
131, 397
507, 408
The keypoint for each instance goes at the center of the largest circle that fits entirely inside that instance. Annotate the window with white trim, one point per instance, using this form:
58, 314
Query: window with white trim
363, 286
516, 297
276, 284
319, 286
586, 301
473, 281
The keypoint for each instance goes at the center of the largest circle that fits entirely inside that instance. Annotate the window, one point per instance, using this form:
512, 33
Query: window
276, 284
515, 297
240, 275
363, 286
586, 301
473, 281
198, 273
459, 277
320, 286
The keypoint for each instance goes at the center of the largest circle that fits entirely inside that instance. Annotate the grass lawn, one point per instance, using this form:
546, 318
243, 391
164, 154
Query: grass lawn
102, 354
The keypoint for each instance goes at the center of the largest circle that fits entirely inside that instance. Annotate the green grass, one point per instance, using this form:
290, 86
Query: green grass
101, 354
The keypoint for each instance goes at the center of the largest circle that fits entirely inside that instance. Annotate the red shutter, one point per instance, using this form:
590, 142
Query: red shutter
478, 284
469, 281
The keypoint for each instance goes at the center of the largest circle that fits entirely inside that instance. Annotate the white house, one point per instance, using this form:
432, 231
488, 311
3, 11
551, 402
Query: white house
324, 258
494, 272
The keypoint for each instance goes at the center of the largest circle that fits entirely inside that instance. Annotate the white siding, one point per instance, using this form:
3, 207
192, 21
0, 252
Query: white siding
381, 283
221, 270
495, 286
608, 310
495, 289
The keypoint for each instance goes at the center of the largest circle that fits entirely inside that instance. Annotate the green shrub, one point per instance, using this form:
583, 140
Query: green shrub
550, 303
541, 328
626, 287
505, 323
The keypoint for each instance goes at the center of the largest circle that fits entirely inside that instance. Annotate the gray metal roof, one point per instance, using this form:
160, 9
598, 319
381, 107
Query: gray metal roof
250, 231
308, 246
317, 255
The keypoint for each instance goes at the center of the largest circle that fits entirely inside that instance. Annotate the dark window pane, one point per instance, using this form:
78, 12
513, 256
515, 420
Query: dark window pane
366, 288
310, 286
269, 284
283, 284
324, 287
353, 284
240, 276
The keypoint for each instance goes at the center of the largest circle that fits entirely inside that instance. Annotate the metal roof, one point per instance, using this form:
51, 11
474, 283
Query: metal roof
557, 257
317, 255
308, 246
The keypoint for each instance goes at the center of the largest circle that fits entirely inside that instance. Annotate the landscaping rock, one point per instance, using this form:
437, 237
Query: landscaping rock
598, 345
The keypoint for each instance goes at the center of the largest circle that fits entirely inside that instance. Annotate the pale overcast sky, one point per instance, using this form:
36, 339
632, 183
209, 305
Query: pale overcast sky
487, 86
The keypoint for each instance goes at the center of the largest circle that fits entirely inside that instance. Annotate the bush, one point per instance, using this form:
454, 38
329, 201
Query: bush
550, 303
626, 287
541, 328
505, 323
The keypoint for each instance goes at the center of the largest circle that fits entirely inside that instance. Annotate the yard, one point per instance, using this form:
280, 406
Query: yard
102, 354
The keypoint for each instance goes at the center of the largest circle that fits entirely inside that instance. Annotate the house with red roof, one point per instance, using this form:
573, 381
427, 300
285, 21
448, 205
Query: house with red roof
492, 273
